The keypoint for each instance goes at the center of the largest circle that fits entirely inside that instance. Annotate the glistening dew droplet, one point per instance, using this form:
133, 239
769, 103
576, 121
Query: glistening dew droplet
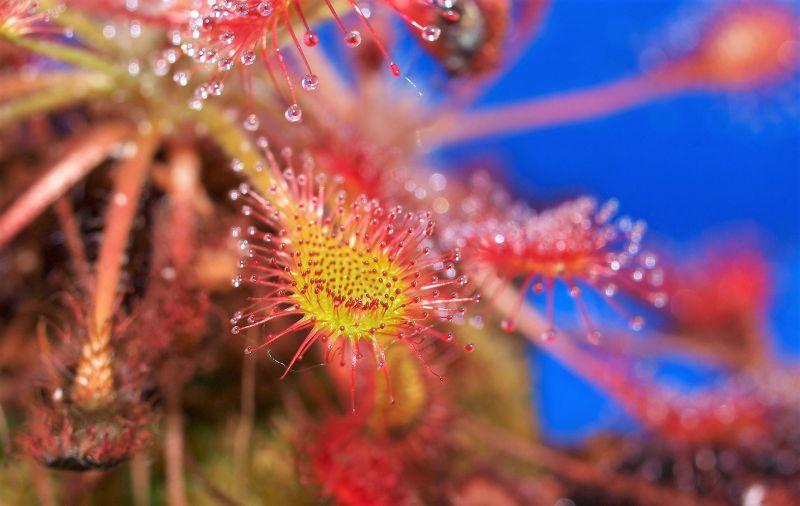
293, 113
358, 275
311, 39
353, 39
264, 8
248, 58
250, 123
310, 82
227, 38
181, 78
225, 64
636, 323
431, 33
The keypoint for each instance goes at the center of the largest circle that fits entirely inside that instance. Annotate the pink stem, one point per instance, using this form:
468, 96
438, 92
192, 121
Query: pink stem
72, 235
174, 448
82, 156
185, 173
586, 104
130, 179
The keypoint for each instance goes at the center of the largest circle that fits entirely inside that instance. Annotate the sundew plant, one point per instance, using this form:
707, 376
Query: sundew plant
290, 252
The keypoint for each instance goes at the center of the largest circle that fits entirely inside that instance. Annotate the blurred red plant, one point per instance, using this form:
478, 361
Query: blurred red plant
574, 242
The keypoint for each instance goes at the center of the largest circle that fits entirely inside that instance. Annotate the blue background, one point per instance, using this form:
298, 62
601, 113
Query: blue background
690, 165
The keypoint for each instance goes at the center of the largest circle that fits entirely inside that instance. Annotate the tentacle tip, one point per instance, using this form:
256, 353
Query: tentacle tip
508, 325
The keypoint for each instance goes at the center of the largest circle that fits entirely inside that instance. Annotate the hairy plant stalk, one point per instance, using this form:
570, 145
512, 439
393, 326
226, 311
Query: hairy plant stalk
84, 154
93, 386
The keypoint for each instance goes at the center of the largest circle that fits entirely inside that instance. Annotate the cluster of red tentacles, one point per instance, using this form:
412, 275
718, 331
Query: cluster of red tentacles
348, 273
230, 34
574, 242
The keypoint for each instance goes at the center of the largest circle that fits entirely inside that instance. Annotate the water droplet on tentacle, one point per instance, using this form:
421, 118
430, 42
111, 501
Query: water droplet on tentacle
508, 325
310, 82
293, 113
431, 33
353, 39
251, 123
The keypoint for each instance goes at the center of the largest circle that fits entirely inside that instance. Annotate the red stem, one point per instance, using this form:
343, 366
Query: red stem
545, 112
130, 178
81, 157
72, 236
185, 178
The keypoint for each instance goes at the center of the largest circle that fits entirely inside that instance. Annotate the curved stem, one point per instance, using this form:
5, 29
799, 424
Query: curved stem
87, 31
24, 83
72, 235
546, 112
66, 54
81, 157
60, 95
129, 181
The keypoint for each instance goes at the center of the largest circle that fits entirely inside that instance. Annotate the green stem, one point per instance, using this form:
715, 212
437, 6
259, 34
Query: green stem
67, 54
88, 32
20, 84
51, 99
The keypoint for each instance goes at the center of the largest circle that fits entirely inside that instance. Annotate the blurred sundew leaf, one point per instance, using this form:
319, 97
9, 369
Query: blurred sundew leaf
496, 385
270, 475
